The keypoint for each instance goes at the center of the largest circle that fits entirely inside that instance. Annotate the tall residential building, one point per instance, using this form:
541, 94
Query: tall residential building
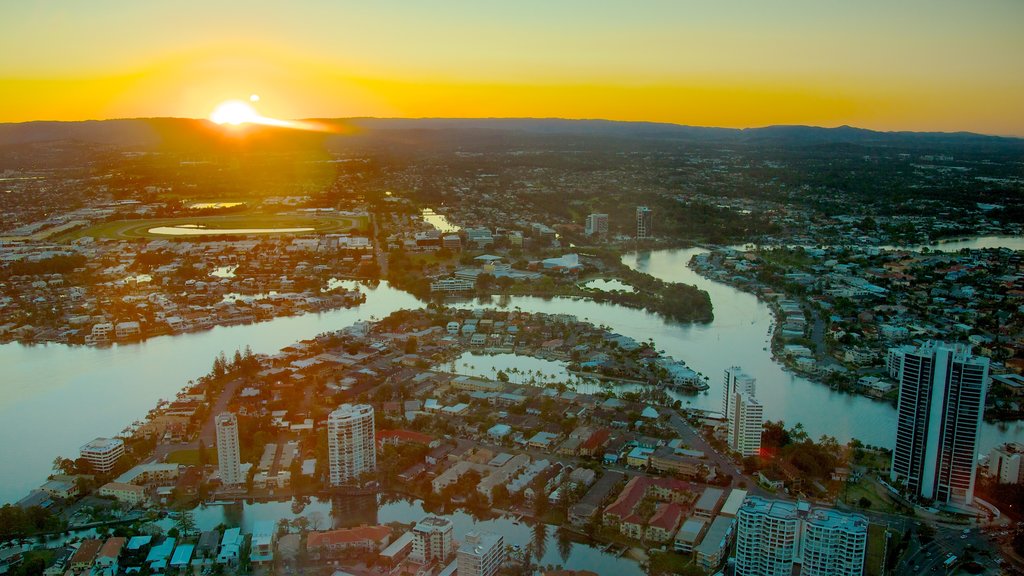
743, 413
102, 454
644, 220
1004, 463
596, 224
350, 442
773, 535
833, 543
229, 460
481, 554
432, 540
767, 537
942, 398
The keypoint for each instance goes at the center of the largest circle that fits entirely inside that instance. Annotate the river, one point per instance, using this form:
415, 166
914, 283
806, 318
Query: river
553, 547
54, 398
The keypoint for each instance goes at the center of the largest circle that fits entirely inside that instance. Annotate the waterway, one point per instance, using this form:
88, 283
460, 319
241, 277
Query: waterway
552, 547
54, 398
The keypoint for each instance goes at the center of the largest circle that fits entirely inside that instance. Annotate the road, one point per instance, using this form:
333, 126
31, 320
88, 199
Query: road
929, 558
725, 465
208, 432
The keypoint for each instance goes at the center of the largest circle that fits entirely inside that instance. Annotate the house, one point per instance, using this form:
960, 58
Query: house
107, 560
182, 556
262, 549
160, 555
231, 547
62, 489
85, 556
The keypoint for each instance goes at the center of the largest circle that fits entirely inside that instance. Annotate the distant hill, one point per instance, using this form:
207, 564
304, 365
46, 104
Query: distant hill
154, 132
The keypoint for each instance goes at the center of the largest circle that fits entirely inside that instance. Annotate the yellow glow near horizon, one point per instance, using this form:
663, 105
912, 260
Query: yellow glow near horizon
235, 112
914, 65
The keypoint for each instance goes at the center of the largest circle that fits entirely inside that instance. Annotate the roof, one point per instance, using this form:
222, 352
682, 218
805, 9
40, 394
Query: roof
398, 545
161, 551
667, 516
182, 555
112, 547
86, 552
691, 529
709, 498
716, 537
733, 502
139, 541
347, 536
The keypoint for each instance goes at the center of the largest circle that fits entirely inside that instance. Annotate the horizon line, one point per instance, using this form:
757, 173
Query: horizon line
542, 118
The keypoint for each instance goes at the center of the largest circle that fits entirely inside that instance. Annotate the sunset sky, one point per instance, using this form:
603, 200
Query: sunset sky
909, 65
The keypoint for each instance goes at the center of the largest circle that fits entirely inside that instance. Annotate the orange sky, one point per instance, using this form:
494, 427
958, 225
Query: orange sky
920, 65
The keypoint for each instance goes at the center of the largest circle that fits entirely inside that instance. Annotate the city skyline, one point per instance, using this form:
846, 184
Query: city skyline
927, 67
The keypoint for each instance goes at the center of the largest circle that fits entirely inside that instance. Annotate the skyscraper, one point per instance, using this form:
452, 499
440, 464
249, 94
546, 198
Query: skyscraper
773, 535
481, 554
942, 398
228, 458
644, 220
743, 413
350, 441
596, 224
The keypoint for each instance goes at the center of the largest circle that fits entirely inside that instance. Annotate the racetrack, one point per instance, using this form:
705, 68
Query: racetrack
256, 224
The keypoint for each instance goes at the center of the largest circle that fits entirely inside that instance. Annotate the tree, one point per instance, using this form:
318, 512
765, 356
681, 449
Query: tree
63, 465
186, 524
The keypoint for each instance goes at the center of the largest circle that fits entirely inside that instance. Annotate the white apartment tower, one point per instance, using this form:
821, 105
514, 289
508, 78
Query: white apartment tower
596, 224
351, 443
229, 460
1004, 463
833, 543
432, 540
743, 413
773, 535
941, 402
481, 554
767, 537
644, 220
102, 454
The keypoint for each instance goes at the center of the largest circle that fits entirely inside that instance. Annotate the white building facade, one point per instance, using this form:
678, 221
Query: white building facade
351, 442
481, 554
744, 415
229, 461
103, 453
596, 224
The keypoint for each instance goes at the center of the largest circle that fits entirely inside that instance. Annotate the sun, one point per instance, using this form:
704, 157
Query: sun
235, 112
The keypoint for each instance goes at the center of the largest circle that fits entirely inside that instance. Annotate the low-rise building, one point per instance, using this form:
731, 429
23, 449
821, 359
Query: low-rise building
330, 544
129, 494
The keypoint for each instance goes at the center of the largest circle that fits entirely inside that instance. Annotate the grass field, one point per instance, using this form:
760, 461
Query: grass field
874, 563
191, 457
136, 229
